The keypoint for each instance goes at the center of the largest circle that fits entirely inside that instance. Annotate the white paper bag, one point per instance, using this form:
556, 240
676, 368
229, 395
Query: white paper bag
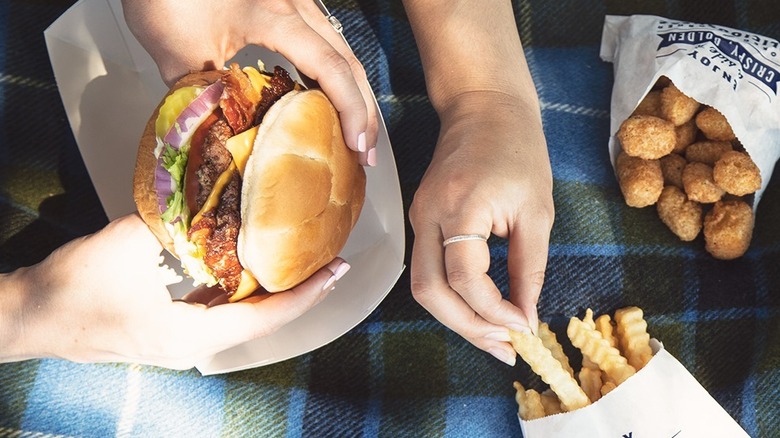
736, 72
110, 86
662, 400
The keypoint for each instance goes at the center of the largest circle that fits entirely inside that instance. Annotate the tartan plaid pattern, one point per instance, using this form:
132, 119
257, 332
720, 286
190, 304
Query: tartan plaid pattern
401, 373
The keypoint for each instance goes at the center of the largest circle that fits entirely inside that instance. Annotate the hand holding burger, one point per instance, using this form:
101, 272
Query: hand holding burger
204, 34
103, 298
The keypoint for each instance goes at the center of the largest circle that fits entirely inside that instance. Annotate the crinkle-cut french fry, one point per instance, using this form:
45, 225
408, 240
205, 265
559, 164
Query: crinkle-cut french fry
529, 403
608, 386
590, 381
633, 336
604, 326
597, 349
550, 341
551, 402
551, 371
588, 319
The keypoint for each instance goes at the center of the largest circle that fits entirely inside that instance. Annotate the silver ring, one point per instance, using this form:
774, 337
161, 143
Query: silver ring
335, 23
462, 237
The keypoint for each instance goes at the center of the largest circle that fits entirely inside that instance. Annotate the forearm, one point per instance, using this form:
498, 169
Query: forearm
469, 47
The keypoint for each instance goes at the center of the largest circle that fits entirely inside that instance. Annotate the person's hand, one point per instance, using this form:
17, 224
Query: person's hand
102, 298
490, 173
202, 34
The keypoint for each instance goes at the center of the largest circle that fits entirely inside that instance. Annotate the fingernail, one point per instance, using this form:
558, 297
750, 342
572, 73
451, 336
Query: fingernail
503, 356
371, 157
499, 336
361, 144
341, 270
337, 274
520, 328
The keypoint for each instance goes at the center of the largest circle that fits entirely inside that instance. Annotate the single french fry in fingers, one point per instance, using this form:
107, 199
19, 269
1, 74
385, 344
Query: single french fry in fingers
597, 349
590, 381
542, 362
633, 336
551, 402
529, 403
550, 341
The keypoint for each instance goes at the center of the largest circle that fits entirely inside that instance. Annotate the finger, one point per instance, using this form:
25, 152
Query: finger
202, 295
313, 56
467, 263
319, 22
431, 290
526, 264
137, 232
235, 323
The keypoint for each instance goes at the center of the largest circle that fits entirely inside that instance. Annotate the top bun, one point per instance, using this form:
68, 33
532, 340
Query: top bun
302, 193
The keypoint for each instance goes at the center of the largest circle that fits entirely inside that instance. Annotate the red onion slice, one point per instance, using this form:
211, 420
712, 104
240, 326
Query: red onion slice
188, 121
179, 135
163, 186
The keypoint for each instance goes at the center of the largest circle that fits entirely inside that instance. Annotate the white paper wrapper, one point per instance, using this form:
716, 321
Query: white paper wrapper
734, 71
661, 400
109, 86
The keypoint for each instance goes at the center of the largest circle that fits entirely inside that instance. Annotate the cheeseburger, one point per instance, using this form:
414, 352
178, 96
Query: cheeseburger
244, 176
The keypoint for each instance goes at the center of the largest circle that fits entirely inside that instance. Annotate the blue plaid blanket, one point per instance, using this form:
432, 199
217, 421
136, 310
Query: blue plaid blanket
401, 373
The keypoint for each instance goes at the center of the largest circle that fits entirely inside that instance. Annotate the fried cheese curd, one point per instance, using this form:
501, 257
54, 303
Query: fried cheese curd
672, 166
728, 229
676, 107
640, 180
650, 105
714, 125
699, 184
737, 174
680, 214
647, 137
686, 135
707, 151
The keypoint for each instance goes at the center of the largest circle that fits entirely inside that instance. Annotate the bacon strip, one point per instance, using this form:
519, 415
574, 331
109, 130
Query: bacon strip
239, 99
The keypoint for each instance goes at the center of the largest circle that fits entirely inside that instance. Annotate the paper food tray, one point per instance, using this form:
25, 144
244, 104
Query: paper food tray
661, 400
110, 86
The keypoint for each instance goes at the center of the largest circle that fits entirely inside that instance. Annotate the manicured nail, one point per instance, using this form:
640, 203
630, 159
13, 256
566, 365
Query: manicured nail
371, 157
522, 328
499, 336
341, 270
337, 274
361, 144
503, 356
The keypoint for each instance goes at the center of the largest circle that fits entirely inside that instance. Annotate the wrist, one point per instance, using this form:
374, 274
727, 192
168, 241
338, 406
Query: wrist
15, 341
491, 106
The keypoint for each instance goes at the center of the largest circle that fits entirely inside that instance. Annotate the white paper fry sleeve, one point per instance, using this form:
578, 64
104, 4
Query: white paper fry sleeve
735, 72
662, 400
109, 87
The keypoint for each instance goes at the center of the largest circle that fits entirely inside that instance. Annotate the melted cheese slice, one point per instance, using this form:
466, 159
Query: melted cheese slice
240, 147
258, 80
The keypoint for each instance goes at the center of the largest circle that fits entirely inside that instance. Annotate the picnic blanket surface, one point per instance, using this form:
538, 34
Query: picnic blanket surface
400, 372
